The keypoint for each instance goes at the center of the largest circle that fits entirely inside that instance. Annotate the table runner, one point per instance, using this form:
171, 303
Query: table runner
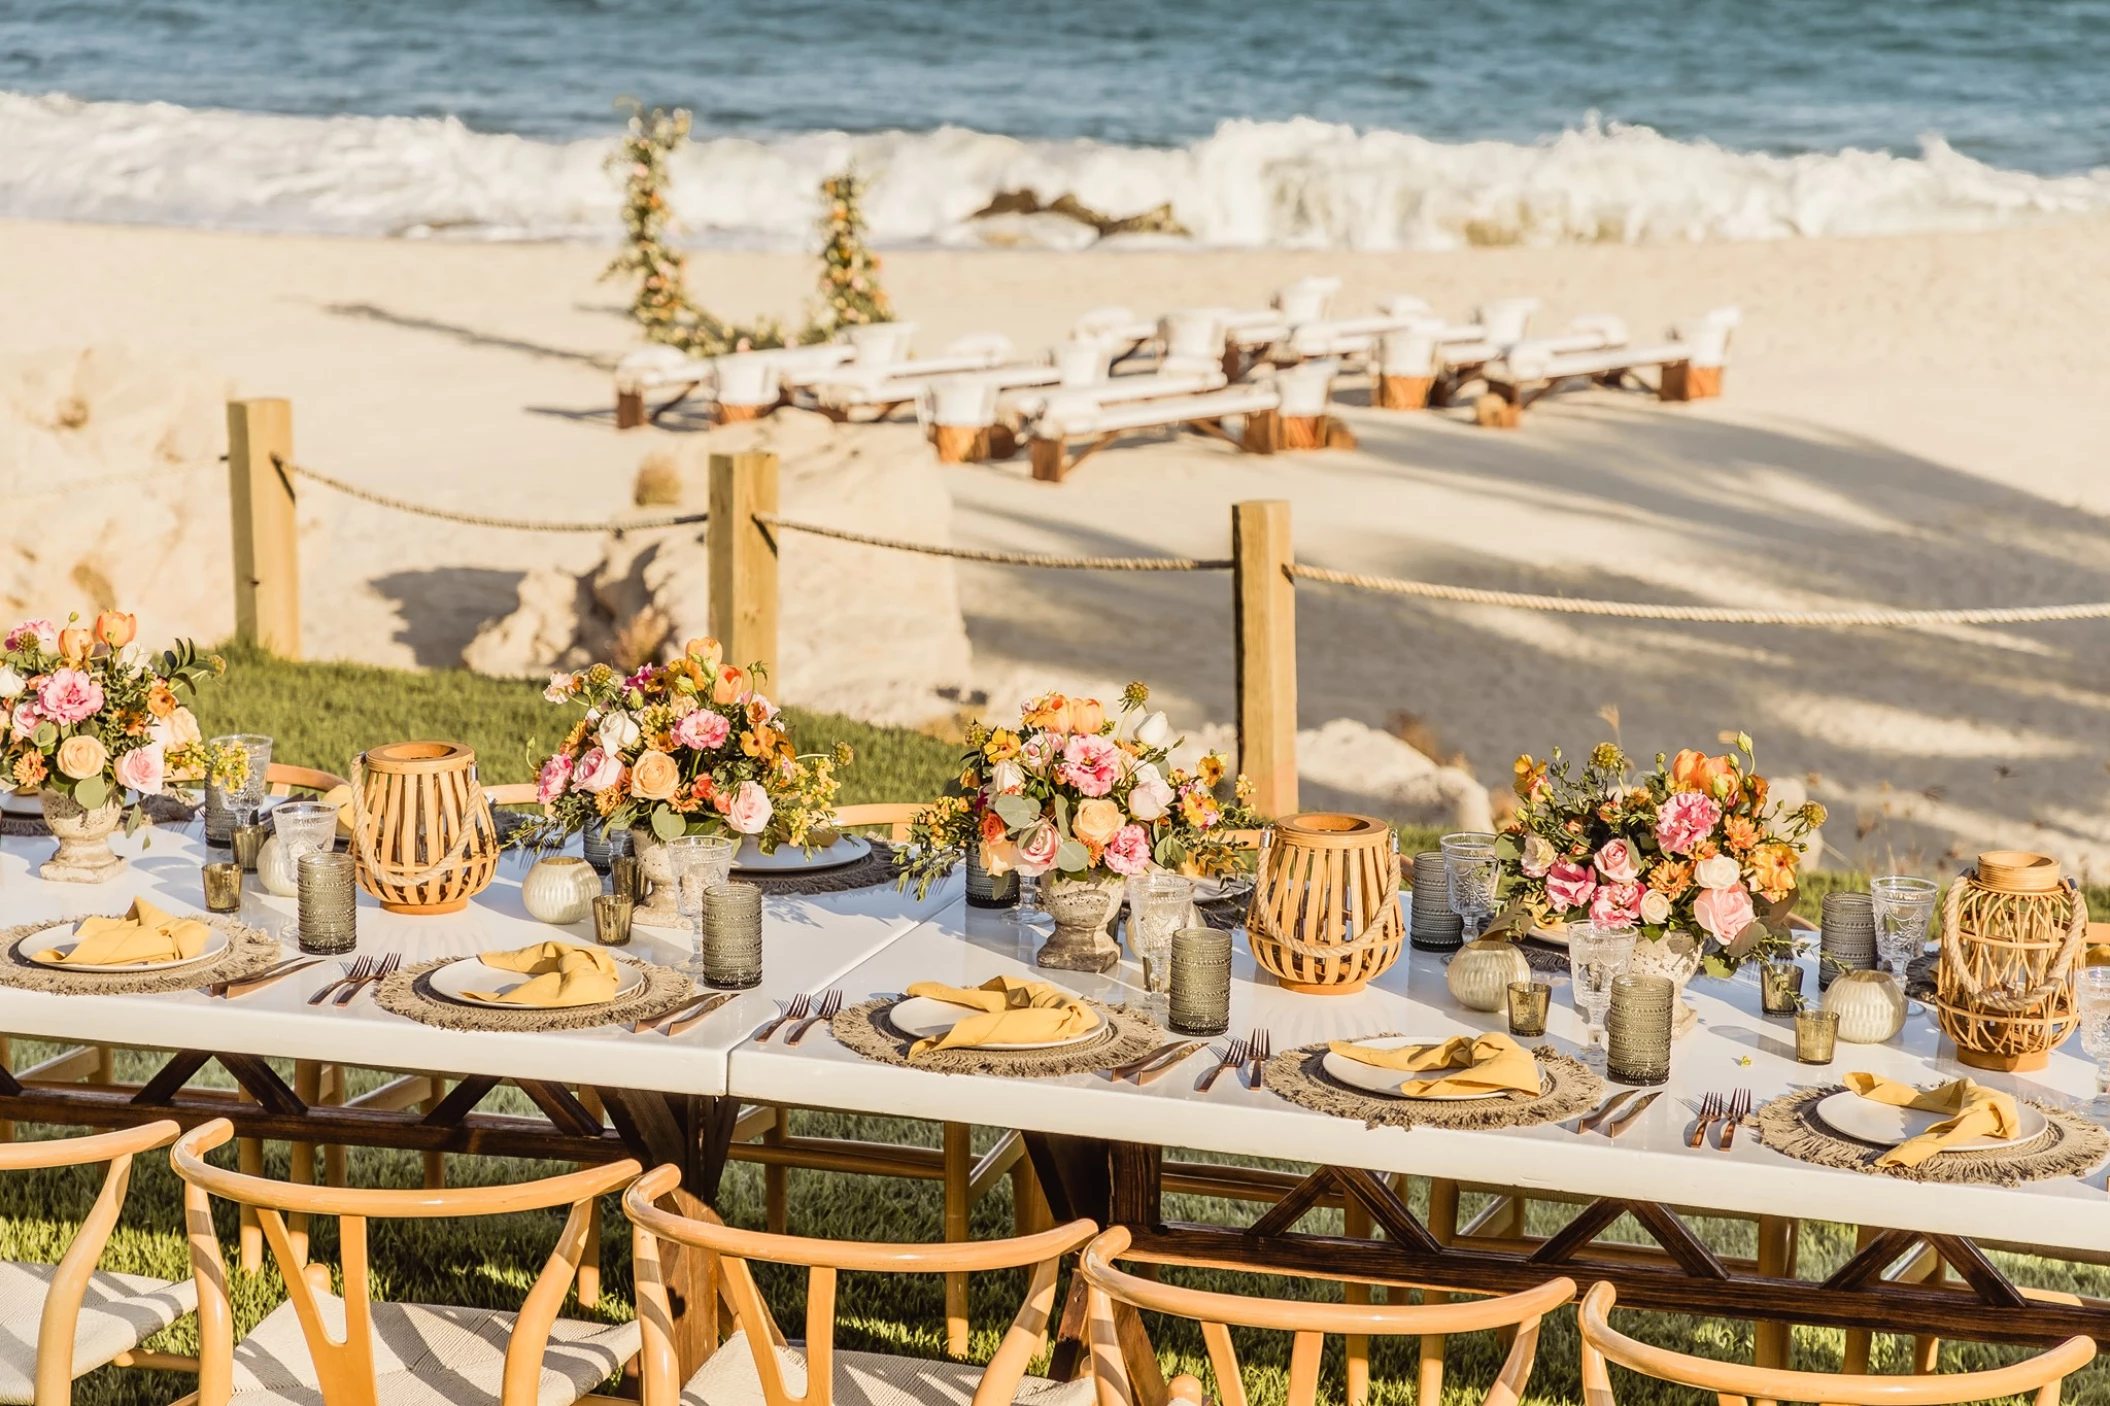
2069, 1146
408, 993
1126, 1035
248, 951
1570, 1089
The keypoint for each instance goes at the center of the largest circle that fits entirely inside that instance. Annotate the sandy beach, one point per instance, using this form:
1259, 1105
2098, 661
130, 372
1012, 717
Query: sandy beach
1909, 421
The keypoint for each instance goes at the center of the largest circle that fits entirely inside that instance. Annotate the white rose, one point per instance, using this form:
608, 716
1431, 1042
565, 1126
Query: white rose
1151, 797
1655, 908
1154, 731
1720, 872
11, 683
1007, 778
618, 730
134, 656
178, 729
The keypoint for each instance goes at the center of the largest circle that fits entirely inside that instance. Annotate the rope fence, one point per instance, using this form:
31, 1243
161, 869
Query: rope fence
380, 500
980, 554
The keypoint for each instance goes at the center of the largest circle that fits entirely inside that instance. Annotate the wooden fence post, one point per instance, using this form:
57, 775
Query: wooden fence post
1264, 606
266, 540
744, 560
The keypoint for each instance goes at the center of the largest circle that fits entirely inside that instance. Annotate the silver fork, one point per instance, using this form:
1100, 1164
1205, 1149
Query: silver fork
1710, 1109
353, 971
830, 1004
1263, 1051
352, 988
800, 1005
1232, 1057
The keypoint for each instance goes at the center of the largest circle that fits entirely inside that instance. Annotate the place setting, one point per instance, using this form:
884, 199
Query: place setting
146, 950
1007, 1026
1462, 1081
544, 986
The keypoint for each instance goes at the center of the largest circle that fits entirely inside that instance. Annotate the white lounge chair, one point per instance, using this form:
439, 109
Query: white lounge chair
884, 388
1284, 411
1122, 331
1688, 364
649, 369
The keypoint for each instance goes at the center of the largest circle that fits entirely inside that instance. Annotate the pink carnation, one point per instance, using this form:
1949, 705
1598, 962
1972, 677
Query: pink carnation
1686, 819
1128, 852
1723, 912
1091, 764
70, 696
43, 632
702, 730
553, 779
1616, 905
1569, 885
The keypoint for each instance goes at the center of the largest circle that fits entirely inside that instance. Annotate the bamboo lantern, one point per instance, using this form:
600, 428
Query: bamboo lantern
2012, 934
421, 829
1325, 914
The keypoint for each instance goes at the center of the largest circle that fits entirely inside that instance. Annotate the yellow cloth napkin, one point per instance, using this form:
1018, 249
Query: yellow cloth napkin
1973, 1111
1013, 1012
143, 934
1486, 1064
561, 975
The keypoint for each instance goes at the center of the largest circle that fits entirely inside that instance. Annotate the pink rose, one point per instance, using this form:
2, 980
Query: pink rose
751, 809
1151, 796
43, 632
702, 730
561, 687
1569, 885
1537, 857
25, 718
70, 696
1723, 912
1091, 764
552, 780
1616, 905
597, 770
1036, 849
1686, 819
1619, 861
141, 769
1128, 852
1036, 752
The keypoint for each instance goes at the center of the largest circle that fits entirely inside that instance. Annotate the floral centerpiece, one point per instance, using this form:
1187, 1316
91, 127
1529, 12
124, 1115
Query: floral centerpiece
91, 715
1693, 847
682, 748
1086, 800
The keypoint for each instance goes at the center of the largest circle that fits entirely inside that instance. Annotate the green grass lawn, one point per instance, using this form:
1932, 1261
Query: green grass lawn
321, 714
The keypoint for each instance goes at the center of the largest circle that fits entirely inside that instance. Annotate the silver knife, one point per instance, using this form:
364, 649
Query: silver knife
1602, 1111
1633, 1110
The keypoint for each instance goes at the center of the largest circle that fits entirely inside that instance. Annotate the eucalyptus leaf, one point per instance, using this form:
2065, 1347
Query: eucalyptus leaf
91, 792
1016, 811
1072, 857
666, 824
1062, 815
47, 734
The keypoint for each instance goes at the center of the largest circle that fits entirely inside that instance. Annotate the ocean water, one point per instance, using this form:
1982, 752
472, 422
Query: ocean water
1374, 124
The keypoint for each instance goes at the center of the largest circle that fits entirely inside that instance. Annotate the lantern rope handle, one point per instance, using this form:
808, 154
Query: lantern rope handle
457, 855
1967, 980
1375, 936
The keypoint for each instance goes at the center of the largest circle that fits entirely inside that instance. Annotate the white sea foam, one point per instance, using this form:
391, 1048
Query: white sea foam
1301, 183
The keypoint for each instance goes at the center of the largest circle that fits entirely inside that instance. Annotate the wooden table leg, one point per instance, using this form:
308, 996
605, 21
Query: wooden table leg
335, 1091
1443, 1224
1773, 1340
249, 1161
587, 1284
307, 1083
693, 1132
776, 1179
1356, 1225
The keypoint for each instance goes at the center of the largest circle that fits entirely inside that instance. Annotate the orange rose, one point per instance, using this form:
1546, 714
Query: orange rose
161, 701
115, 628
1773, 870
732, 685
993, 827
654, 776
1710, 776
1086, 715
82, 756
1097, 821
705, 651
74, 644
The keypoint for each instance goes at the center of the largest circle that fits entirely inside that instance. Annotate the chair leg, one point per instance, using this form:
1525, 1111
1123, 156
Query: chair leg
307, 1083
1029, 1204
587, 1283
1443, 1224
1777, 1240
435, 1162
959, 1163
249, 1160
776, 1178
1355, 1224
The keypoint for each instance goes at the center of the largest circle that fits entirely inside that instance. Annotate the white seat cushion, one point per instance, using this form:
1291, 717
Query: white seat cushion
865, 1379
428, 1355
118, 1313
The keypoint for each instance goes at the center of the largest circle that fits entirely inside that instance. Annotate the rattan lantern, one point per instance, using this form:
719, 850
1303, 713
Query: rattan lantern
1325, 913
421, 829
2012, 934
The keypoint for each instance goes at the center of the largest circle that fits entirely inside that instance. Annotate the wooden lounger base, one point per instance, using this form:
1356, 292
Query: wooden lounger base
1262, 432
631, 411
1504, 404
1401, 392
973, 444
1682, 381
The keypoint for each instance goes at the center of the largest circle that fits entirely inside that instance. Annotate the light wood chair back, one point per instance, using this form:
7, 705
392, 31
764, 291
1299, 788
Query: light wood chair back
513, 793
282, 779
346, 1368
895, 815
1738, 1385
823, 1260
1308, 1321
60, 1322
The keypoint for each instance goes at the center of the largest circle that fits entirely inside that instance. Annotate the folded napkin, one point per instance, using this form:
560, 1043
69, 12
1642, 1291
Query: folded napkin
1973, 1111
143, 934
1013, 1012
561, 975
1486, 1064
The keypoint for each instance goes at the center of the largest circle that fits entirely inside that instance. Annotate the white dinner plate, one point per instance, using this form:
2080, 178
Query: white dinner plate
457, 979
1371, 1079
925, 1019
847, 849
18, 806
1221, 888
1885, 1126
215, 945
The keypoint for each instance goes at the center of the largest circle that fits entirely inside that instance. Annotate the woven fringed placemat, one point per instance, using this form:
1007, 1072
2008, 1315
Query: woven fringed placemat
2070, 1146
409, 993
1543, 956
248, 952
1126, 1035
870, 871
1569, 1089
161, 810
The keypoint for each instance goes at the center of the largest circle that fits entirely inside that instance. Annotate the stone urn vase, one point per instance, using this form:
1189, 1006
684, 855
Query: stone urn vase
84, 855
1675, 955
659, 907
1082, 910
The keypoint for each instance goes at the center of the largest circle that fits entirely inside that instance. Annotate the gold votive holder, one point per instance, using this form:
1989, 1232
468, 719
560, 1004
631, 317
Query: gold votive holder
223, 887
328, 902
1200, 999
626, 876
249, 843
611, 919
1779, 988
1816, 1036
732, 935
1528, 1003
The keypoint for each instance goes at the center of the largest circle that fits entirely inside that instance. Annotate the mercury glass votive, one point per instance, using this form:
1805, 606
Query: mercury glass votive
223, 887
1528, 1004
1816, 1036
611, 919
732, 935
626, 877
1200, 1000
328, 903
1637, 1029
1779, 987
249, 843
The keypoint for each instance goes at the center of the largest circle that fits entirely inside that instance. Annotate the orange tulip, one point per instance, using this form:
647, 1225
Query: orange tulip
1051, 713
1710, 776
731, 686
1087, 716
115, 628
706, 651
74, 644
